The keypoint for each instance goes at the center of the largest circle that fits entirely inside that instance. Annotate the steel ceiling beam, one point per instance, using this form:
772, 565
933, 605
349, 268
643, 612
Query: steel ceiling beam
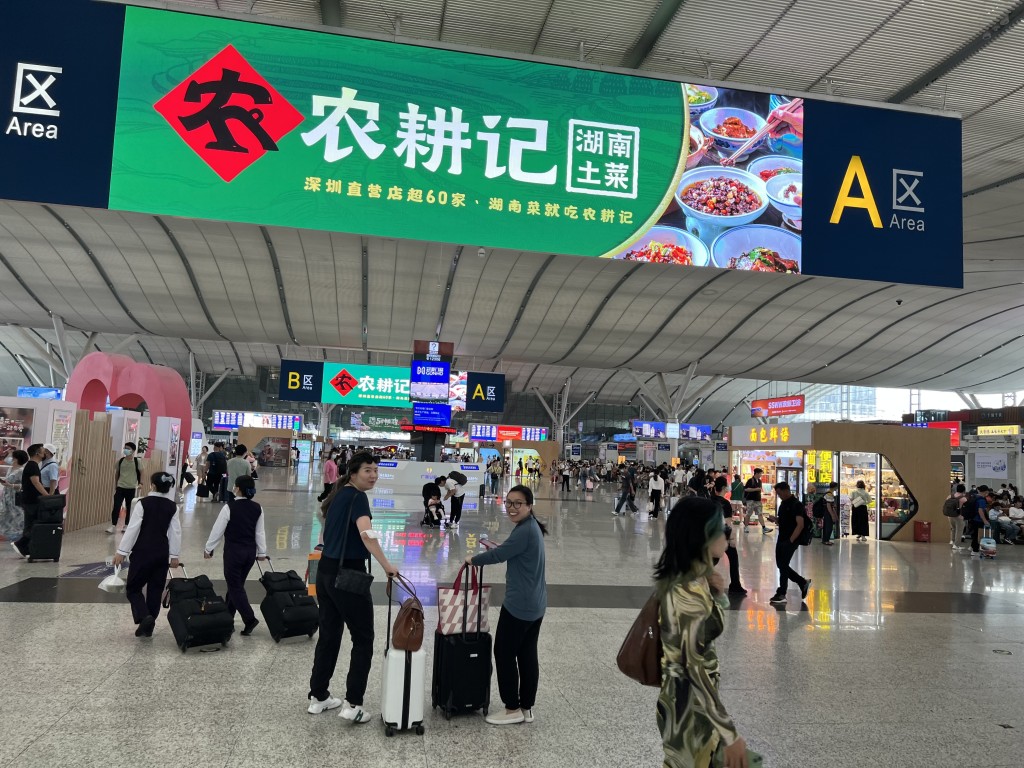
279, 278
331, 13
522, 304
191, 275
988, 36
649, 38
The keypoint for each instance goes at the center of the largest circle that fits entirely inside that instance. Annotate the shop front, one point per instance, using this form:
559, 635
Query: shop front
890, 461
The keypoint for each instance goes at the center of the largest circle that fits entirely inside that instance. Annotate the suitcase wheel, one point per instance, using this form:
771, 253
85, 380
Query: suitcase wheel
447, 714
420, 730
389, 731
277, 638
311, 634
56, 559
30, 559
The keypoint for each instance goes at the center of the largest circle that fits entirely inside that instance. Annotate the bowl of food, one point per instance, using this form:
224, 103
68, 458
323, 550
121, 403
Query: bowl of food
786, 195
715, 198
770, 166
757, 248
700, 98
699, 145
731, 128
667, 245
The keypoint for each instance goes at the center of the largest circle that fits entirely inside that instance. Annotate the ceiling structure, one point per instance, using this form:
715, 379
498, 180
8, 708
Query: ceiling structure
243, 296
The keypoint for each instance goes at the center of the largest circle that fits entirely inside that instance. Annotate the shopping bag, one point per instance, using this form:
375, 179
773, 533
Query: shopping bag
113, 583
590, 485
461, 606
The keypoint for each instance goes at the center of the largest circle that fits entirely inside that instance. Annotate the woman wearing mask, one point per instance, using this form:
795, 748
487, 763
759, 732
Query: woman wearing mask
691, 717
526, 600
348, 511
859, 500
153, 539
721, 487
240, 524
12, 517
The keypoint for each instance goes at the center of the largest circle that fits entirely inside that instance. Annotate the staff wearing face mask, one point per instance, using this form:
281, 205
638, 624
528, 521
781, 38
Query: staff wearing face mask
128, 482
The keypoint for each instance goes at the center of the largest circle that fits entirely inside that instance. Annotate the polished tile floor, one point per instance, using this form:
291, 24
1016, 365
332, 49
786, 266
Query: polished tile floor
903, 655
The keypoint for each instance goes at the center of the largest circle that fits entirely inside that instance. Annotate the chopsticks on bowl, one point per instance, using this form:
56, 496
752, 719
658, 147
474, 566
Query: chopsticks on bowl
769, 124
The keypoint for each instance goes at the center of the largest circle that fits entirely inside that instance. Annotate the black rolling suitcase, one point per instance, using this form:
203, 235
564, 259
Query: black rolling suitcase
197, 615
288, 609
46, 542
202, 491
461, 680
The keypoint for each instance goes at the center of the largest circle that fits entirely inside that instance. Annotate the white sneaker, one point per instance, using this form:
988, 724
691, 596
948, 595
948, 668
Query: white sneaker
356, 713
506, 718
111, 529
15, 548
527, 715
316, 707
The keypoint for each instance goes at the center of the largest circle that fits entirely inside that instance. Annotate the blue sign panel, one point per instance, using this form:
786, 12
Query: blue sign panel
888, 209
432, 414
429, 381
301, 380
485, 392
41, 393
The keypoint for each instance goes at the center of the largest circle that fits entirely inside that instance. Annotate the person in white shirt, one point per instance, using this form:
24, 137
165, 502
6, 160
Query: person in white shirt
680, 479
240, 524
655, 487
457, 495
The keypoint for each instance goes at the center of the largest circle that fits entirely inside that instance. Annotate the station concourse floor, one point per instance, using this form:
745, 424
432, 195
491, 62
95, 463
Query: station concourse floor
902, 655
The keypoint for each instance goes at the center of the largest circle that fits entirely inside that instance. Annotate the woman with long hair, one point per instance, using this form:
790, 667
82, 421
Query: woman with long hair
691, 717
859, 500
12, 517
526, 600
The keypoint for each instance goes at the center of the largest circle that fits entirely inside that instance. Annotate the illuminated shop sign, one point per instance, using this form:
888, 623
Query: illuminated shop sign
790, 405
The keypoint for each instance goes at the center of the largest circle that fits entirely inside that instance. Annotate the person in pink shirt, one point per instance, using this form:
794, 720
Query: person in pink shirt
330, 477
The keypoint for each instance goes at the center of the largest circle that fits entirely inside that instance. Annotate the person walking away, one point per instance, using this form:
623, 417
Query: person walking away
330, 477
127, 482
655, 488
217, 467
238, 466
831, 519
12, 517
859, 500
952, 508
240, 524
566, 475
153, 539
522, 612
791, 519
457, 494
693, 721
495, 476
752, 501
679, 479
736, 490
721, 486
627, 491
349, 512
201, 466
31, 491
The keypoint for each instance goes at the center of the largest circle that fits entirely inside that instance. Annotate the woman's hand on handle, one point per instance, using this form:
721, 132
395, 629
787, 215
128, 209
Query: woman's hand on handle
391, 570
736, 754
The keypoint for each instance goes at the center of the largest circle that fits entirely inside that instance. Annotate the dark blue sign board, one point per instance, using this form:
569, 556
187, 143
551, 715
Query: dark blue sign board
485, 392
301, 380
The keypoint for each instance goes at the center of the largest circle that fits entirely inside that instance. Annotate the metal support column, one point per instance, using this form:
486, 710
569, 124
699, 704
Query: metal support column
62, 344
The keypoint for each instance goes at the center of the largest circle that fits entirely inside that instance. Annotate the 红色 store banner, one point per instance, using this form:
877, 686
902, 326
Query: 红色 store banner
241, 121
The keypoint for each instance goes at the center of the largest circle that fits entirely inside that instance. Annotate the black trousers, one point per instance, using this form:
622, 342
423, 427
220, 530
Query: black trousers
515, 660
456, 509
734, 558
327, 489
565, 482
338, 610
31, 512
976, 529
237, 564
827, 527
126, 495
784, 551
148, 574
213, 485
624, 498
656, 501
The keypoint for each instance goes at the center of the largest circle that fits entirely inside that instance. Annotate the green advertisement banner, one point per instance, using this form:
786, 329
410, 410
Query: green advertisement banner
381, 385
237, 121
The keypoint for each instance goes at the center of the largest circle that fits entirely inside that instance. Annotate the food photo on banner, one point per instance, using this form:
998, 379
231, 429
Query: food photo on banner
272, 451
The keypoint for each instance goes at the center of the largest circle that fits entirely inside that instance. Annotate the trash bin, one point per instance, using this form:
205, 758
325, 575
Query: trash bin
922, 531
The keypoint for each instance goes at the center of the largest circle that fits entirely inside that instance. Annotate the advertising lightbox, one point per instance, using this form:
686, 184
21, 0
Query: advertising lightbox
790, 405
353, 384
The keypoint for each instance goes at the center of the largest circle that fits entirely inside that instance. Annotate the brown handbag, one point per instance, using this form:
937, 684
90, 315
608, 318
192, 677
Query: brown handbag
406, 634
640, 655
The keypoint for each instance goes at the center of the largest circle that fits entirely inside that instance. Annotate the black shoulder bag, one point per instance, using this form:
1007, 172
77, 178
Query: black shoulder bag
348, 579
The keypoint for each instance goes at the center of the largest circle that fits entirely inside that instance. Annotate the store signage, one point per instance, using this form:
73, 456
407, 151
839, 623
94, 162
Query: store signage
774, 435
41, 393
790, 405
663, 447
485, 392
1007, 429
498, 432
231, 420
432, 414
671, 430
354, 384
362, 421
232, 120
952, 426
301, 380
429, 381
428, 428
721, 447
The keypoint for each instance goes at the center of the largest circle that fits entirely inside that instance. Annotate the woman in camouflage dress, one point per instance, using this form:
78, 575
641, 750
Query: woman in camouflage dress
691, 717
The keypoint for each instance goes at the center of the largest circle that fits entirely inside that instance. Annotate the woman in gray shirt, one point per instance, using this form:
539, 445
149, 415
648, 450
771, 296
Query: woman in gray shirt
526, 599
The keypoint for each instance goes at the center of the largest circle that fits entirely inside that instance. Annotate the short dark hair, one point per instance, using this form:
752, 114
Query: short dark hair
34, 449
130, 444
720, 483
20, 457
782, 485
241, 450
758, 471
246, 485
961, 488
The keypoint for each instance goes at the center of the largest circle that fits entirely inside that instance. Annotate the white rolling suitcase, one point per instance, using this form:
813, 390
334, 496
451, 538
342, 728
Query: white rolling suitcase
404, 687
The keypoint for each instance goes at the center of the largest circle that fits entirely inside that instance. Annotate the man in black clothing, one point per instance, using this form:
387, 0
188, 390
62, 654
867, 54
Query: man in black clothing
791, 519
217, 470
752, 501
628, 492
433, 511
31, 489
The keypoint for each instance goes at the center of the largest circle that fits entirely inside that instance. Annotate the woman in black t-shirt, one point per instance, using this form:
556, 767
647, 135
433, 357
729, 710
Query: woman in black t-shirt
721, 488
31, 489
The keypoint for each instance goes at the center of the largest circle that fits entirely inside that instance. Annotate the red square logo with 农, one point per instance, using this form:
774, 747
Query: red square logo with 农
228, 114
344, 382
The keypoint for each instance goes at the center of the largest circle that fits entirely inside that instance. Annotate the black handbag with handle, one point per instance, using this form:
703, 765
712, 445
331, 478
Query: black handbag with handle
349, 579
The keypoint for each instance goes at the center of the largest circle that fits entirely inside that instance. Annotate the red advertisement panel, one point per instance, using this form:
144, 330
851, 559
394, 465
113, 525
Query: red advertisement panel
791, 405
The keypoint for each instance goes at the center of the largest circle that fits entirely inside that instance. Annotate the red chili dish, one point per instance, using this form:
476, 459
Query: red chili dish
721, 196
661, 253
734, 128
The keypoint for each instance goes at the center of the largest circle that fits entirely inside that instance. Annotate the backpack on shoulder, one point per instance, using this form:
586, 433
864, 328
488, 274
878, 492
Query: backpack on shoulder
818, 508
951, 507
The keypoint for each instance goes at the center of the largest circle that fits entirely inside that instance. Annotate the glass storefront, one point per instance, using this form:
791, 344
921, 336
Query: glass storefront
778, 466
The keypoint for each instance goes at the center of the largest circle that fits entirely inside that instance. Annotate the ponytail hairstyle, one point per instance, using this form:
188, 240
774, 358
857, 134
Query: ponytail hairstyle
351, 467
246, 485
527, 493
162, 481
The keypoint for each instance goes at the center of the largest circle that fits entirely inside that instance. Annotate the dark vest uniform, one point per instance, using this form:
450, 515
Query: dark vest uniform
240, 553
152, 543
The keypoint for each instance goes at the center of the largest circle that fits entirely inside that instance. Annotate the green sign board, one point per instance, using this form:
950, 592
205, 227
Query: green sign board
381, 385
231, 120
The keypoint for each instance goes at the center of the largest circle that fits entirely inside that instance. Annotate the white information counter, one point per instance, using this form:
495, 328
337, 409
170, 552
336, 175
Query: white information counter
399, 483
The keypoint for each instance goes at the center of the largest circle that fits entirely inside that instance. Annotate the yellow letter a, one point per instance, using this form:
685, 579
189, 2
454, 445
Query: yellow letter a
855, 170
478, 393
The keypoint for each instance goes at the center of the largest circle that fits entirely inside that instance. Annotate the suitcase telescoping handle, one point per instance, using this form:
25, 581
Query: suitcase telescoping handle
479, 585
269, 563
